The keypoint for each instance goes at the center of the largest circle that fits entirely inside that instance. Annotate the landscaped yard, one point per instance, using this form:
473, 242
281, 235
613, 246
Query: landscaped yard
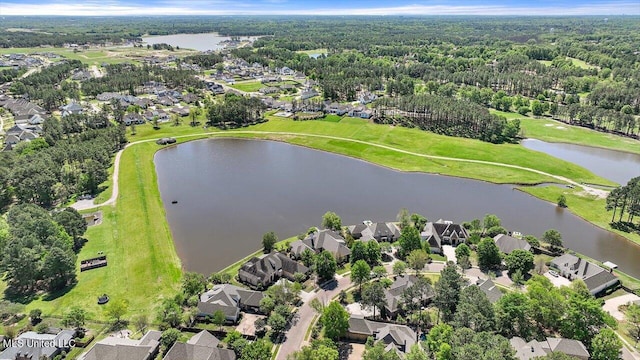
248, 86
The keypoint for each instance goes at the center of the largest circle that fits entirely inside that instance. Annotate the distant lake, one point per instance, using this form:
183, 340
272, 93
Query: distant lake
231, 191
200, 42
614, 165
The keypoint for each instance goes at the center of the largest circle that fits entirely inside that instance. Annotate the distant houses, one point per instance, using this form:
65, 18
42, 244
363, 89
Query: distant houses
595, 277
380, 231
72, 108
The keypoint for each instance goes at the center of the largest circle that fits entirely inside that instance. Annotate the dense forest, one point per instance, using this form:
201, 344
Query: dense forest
235, 111
48, 86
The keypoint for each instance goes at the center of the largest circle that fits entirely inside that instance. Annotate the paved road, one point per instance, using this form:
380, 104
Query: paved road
611, 305
112, 200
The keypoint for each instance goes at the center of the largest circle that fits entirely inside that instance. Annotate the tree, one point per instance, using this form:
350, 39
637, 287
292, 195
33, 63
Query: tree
268, 241
488, 255
474, 310
326, 265
462, 250
448, 291
168, 338
562, 201
374, 254
409, 240
437, 336
418, 221
416, 353
72, 222
59, 268
378, 352
491, 220
75, 317
331, 221
536, 108
335, 320
218, 318
633, 318
512, 315
519, 260
399, 268
532, 240
319, 352
358, 252
379, 272
403, 218
169, 314
417, 259
552, 237
35, 316
277, 323
360, 272
583, 317
116, 309
193, 284
140, 322
606, 345
373, 295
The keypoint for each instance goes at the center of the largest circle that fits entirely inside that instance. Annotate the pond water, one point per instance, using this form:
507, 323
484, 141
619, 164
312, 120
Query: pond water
614, 165
200, 42
232, 191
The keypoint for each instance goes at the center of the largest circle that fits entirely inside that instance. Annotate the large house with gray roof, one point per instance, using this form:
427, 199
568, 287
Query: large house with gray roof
443, 232
380, 231
508, 244
321, 240
490, 289
260, 272
229, 299
596, 278
32, 345
202, 346
117, 348
393, 295
399, 338
534, 349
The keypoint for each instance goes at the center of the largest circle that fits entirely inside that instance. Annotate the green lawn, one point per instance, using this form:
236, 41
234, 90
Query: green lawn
547, 129
331, 118
587, 207
143, 264
249, 86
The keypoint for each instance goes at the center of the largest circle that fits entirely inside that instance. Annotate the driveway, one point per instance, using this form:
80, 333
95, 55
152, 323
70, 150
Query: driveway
357, 351
450, 253
557, 281
611, 306
357, 309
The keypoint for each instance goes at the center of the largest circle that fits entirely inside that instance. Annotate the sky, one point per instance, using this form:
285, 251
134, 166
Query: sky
326, 7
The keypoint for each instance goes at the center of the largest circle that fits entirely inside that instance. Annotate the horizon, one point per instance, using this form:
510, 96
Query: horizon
120, 8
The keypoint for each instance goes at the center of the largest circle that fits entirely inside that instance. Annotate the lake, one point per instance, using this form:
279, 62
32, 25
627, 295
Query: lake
200, 42
614, 165
231, 191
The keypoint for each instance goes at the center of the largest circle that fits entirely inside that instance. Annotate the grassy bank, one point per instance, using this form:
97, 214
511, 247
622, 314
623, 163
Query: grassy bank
547, 129
587, 207
143, 264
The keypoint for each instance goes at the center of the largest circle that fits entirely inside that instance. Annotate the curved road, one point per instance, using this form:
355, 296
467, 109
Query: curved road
88, 204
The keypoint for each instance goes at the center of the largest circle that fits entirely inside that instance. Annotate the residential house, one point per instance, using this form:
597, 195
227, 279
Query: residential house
308, 93
443, 232
202, 346
269, 90
19, 133
182, 111
287, 87
113, 347
73, 108
229, 299
81, 75
337, 109
489, 288
217, 89
190, 98
380, 231
366, 97
143, 102
533, 349
321, 240
32, 345
393, 295
595, 277
360, 112
107, 96
507, 243
285, 71
167, 100
161, 114
260, 272
398, 338
133, 118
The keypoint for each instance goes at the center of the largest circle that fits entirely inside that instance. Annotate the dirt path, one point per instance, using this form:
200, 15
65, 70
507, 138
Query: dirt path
88, 204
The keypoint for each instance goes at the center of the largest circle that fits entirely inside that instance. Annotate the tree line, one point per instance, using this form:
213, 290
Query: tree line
625, 200
235, 111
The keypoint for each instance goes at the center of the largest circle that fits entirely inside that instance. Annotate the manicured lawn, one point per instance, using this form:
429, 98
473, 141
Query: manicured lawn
587, 207
547, 129
143, 264
249, 86
331, 118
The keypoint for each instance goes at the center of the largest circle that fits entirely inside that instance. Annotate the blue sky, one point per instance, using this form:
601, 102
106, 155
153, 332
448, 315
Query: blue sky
327, 7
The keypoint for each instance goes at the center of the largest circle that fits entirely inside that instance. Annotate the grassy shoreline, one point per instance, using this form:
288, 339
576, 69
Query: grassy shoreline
135, 235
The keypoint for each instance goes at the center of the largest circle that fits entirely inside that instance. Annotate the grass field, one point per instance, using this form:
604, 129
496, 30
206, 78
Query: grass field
143, 264
589, 208
248, 86
550, 130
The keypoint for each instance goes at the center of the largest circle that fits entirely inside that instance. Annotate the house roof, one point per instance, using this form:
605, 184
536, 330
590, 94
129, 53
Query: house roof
398, 335
593, 275
228, 299
507, 243
568, 346
527, 350
114, 348
204, 338
30, 348
328, 240
182, 351
393, 294
490, 289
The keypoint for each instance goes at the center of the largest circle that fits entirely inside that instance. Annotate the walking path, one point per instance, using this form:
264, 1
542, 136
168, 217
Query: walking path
112, 200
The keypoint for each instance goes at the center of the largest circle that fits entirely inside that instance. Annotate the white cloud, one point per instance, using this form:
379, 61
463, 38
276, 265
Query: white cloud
222, 7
